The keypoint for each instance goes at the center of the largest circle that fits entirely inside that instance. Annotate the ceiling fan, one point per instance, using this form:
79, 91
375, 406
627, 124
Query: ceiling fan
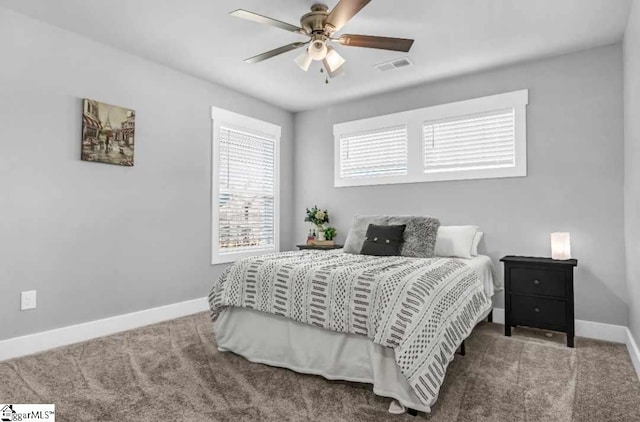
320, 25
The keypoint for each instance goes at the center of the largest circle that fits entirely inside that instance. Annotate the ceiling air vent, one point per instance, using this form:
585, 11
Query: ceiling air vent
394, 64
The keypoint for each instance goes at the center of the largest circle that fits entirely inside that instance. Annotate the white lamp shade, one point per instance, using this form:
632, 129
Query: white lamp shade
318, 50
333, 60
560, 246
339, 71
303, 60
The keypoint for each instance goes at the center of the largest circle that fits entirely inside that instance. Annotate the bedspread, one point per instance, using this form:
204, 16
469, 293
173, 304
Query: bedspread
422, 308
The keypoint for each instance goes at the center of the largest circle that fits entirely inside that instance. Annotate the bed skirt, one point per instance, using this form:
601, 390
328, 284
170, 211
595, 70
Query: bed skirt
277, 341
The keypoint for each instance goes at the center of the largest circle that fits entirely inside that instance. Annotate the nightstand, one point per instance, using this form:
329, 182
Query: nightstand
319, 247
538, 292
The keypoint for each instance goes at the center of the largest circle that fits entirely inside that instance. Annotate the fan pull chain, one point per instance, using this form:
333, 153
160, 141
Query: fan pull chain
326, 78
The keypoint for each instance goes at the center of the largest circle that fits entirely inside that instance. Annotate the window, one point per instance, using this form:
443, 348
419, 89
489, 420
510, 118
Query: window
374, 153
474, 139
245, 184
475, 142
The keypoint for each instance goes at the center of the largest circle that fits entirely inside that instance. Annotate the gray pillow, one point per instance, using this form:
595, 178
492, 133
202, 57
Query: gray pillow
419, 236
358, 231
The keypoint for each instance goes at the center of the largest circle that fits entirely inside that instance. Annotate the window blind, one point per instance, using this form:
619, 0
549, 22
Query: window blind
472, 142
379, 152
247, 191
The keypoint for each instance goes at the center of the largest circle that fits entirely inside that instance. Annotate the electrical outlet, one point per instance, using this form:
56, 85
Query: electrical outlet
28, 300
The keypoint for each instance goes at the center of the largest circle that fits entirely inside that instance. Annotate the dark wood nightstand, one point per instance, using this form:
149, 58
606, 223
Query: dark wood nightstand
320, 247
538, 292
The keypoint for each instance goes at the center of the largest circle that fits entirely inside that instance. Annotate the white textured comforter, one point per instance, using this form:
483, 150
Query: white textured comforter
422, 308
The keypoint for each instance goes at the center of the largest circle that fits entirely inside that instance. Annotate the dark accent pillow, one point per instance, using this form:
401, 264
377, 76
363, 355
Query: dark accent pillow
383, 240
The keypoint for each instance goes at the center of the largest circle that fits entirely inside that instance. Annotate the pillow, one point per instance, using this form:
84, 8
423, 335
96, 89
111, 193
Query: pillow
455, 241
476, 241
358, 231
383, 240
419, 236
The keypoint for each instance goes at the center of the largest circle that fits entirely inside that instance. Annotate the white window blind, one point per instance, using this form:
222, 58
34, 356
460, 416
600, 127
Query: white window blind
472, 142
478, 138
374, 153
246, 194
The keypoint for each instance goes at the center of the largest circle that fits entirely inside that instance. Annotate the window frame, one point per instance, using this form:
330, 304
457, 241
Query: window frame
415, 119
229, 119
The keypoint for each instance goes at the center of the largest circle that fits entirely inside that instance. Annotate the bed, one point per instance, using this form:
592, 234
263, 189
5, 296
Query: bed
344, 316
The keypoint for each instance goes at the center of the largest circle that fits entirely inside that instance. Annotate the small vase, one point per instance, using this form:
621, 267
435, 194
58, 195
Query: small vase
320, 234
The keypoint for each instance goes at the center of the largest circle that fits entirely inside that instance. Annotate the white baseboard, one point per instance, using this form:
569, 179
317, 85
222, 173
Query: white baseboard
634, 351
587, 329
33, 343
600, 331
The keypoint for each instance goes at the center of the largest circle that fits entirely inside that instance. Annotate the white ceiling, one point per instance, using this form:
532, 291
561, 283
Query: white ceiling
452, 37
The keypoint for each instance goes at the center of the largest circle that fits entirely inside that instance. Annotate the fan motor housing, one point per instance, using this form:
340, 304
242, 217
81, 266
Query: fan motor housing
313, 22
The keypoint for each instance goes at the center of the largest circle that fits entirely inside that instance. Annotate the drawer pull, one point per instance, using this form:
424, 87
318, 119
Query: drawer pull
536, 282
536, 309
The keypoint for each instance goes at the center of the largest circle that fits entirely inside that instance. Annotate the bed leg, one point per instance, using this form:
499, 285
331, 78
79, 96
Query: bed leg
461, 351
490, 316
412, 412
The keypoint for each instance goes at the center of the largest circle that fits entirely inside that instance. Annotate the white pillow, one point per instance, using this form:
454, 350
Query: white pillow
455, 241
476, 241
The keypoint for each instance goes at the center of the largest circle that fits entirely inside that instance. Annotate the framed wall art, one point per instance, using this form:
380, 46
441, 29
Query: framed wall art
108, 133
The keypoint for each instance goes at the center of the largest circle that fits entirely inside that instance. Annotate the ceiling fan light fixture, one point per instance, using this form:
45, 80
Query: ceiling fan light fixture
320, 25
318, 50
303, 60
333, 60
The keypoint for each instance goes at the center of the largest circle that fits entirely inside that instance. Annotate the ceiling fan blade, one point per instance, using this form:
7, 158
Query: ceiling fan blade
382, 43
245, 14
343, 12
273, 53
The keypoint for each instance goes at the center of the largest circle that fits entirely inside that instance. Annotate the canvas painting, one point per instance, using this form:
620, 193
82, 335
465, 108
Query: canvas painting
108, 133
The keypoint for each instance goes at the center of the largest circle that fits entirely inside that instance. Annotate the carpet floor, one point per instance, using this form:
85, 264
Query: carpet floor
173, 371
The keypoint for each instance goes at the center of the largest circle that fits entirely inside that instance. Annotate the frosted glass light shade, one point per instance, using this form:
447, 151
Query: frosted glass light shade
560, 246
303, 60
318, 50
333, 59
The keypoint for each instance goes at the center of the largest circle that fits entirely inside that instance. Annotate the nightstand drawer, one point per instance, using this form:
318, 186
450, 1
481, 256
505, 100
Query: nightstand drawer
548, 312
543, 282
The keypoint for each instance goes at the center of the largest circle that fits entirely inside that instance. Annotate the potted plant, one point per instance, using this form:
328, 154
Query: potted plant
317, 217
330, 233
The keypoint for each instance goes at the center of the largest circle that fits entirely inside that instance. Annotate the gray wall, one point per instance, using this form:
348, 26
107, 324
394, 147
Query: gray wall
632, 164
97, 240
574, 182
